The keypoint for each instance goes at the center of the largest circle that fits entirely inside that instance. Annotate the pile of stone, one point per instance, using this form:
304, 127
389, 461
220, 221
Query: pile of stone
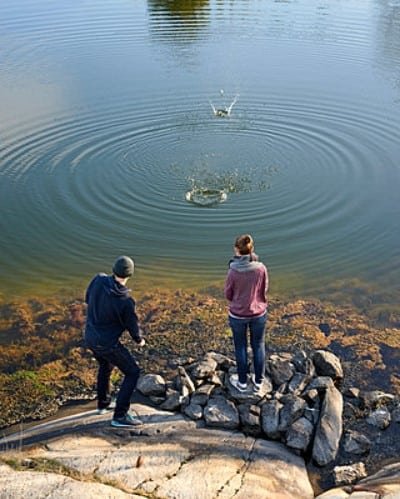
298, 404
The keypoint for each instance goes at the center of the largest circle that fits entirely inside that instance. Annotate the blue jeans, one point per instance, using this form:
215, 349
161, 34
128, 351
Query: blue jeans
257, 341
120, 357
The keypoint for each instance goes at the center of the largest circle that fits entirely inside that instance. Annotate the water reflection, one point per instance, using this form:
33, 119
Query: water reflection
177, 19
388, 29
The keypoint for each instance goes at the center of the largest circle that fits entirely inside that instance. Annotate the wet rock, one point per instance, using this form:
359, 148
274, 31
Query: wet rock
293, 408
329, 428
299, 434
356, 443
327, 364
221, 413
151, 384
380, 418
345, 475
270, 418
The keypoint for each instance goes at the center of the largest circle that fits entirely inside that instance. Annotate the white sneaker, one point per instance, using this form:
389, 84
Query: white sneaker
257, 386
234, 381
105, 410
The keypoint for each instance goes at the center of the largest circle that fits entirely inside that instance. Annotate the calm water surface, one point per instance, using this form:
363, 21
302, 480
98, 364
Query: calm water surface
106, 123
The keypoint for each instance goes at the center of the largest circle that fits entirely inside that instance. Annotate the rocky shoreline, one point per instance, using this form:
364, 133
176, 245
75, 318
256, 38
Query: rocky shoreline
44, 364
300, 404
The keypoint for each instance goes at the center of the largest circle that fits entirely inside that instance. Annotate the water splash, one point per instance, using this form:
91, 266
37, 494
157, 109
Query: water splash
225, 111
206, 197
208, 188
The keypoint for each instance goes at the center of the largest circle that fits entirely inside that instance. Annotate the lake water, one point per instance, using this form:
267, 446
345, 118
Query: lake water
106, 124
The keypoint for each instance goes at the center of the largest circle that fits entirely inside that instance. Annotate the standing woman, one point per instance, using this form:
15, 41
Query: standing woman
246, 288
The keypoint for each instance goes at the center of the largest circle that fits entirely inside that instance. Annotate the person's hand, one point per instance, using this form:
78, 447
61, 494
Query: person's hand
142, 342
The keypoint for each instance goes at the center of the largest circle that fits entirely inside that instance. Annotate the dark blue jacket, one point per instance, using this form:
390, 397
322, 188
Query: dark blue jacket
111, 311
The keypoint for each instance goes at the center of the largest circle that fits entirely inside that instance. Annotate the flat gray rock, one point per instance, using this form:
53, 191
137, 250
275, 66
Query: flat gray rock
168, 457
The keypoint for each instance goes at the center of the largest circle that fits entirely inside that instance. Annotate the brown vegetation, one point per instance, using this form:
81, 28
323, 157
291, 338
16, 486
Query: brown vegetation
43, 362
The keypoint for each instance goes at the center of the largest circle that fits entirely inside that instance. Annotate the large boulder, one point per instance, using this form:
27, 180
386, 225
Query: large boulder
151, 385
329, 428
280, 368
327, 364
299, 435
221, 413
250, 419
270, 418
205, 368
293, 408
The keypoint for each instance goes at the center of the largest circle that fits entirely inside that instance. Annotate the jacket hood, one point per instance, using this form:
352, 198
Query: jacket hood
113, 287
245, 263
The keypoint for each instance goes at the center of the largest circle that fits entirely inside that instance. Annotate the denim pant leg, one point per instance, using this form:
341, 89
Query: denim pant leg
257, 341
239, 330
103, 381
122, 358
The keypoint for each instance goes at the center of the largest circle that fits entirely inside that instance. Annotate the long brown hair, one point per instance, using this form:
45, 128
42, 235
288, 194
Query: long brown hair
244, 244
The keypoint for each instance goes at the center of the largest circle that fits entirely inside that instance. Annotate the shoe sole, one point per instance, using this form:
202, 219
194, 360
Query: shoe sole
121, 425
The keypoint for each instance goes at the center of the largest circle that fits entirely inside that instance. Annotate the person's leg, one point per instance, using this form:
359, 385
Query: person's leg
122, 358
239, 328
257, 341
103, 381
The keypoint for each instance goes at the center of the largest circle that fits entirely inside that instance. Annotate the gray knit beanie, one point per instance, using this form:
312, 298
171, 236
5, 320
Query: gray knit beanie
123, 266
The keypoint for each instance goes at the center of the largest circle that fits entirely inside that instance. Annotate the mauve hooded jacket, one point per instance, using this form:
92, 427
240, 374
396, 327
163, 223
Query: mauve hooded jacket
246, 287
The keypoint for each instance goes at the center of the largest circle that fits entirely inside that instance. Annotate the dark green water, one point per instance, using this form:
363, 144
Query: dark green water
106, 123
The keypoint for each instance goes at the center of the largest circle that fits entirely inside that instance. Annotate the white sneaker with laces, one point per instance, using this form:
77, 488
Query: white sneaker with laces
234, 381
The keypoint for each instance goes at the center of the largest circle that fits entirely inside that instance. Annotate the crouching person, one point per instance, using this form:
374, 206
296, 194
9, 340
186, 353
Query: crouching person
111, 311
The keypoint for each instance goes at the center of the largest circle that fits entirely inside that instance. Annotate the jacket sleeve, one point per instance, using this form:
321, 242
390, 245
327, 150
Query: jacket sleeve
89, 288
228, 290
266, 284
131, 321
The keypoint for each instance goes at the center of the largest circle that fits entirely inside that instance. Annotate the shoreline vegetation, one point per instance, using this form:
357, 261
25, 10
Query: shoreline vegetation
44, 364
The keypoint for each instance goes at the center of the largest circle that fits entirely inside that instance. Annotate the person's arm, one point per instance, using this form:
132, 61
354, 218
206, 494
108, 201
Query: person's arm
228, 290
89, 288
266, 286
131, 322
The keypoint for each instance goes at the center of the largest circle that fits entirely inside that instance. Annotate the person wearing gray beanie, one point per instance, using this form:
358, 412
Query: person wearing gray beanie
111, 311
123, 267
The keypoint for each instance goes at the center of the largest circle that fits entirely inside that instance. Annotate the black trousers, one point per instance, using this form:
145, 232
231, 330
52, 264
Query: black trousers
119, 356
